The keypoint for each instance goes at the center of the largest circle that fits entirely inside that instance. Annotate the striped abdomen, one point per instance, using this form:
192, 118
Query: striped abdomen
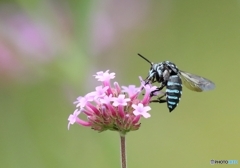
173, 91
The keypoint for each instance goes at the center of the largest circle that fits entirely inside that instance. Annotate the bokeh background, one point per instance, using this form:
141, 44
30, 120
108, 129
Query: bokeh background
49, 51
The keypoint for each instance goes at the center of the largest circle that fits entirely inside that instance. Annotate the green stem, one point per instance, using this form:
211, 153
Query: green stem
123, 151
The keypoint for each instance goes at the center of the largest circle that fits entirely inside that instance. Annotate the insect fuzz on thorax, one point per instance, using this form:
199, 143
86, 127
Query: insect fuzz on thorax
168, 75
161, 72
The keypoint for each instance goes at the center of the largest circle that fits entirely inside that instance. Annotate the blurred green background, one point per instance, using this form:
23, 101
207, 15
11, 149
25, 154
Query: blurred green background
49, 51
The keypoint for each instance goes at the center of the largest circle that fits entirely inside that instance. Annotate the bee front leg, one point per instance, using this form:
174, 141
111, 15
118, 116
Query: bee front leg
158, 89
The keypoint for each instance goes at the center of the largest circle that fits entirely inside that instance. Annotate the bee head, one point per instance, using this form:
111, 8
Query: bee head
152, 74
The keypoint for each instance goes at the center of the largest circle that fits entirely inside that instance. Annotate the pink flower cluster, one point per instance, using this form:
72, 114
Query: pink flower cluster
113, 108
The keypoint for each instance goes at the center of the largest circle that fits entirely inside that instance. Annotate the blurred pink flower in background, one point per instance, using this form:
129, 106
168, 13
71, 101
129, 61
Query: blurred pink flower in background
29, 39
111, 19
9, 66
30, 36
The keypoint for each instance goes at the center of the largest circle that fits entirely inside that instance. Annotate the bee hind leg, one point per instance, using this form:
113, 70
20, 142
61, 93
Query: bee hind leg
159, 100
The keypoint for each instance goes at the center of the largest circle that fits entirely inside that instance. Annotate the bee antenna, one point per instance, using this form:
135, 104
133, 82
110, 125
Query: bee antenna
145, 58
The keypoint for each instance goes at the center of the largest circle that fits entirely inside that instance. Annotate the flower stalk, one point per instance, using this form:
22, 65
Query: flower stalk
123, 151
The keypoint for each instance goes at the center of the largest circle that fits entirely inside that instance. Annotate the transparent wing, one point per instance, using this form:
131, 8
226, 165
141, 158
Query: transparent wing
196, 83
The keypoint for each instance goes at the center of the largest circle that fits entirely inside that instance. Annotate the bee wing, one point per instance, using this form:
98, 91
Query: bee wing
196, 83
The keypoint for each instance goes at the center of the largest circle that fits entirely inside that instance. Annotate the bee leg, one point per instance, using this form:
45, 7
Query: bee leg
158, 89
159, 99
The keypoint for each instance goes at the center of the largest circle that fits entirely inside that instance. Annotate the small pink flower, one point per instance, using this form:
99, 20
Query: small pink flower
101, 91
106, 99
131, 90
141, 110
117, 87
73, 117
142, 82
82, 101
120, 100
104, 76
90, 96
148, 90
78, 100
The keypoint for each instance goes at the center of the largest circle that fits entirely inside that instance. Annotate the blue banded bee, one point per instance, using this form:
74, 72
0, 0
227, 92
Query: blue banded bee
168, 75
